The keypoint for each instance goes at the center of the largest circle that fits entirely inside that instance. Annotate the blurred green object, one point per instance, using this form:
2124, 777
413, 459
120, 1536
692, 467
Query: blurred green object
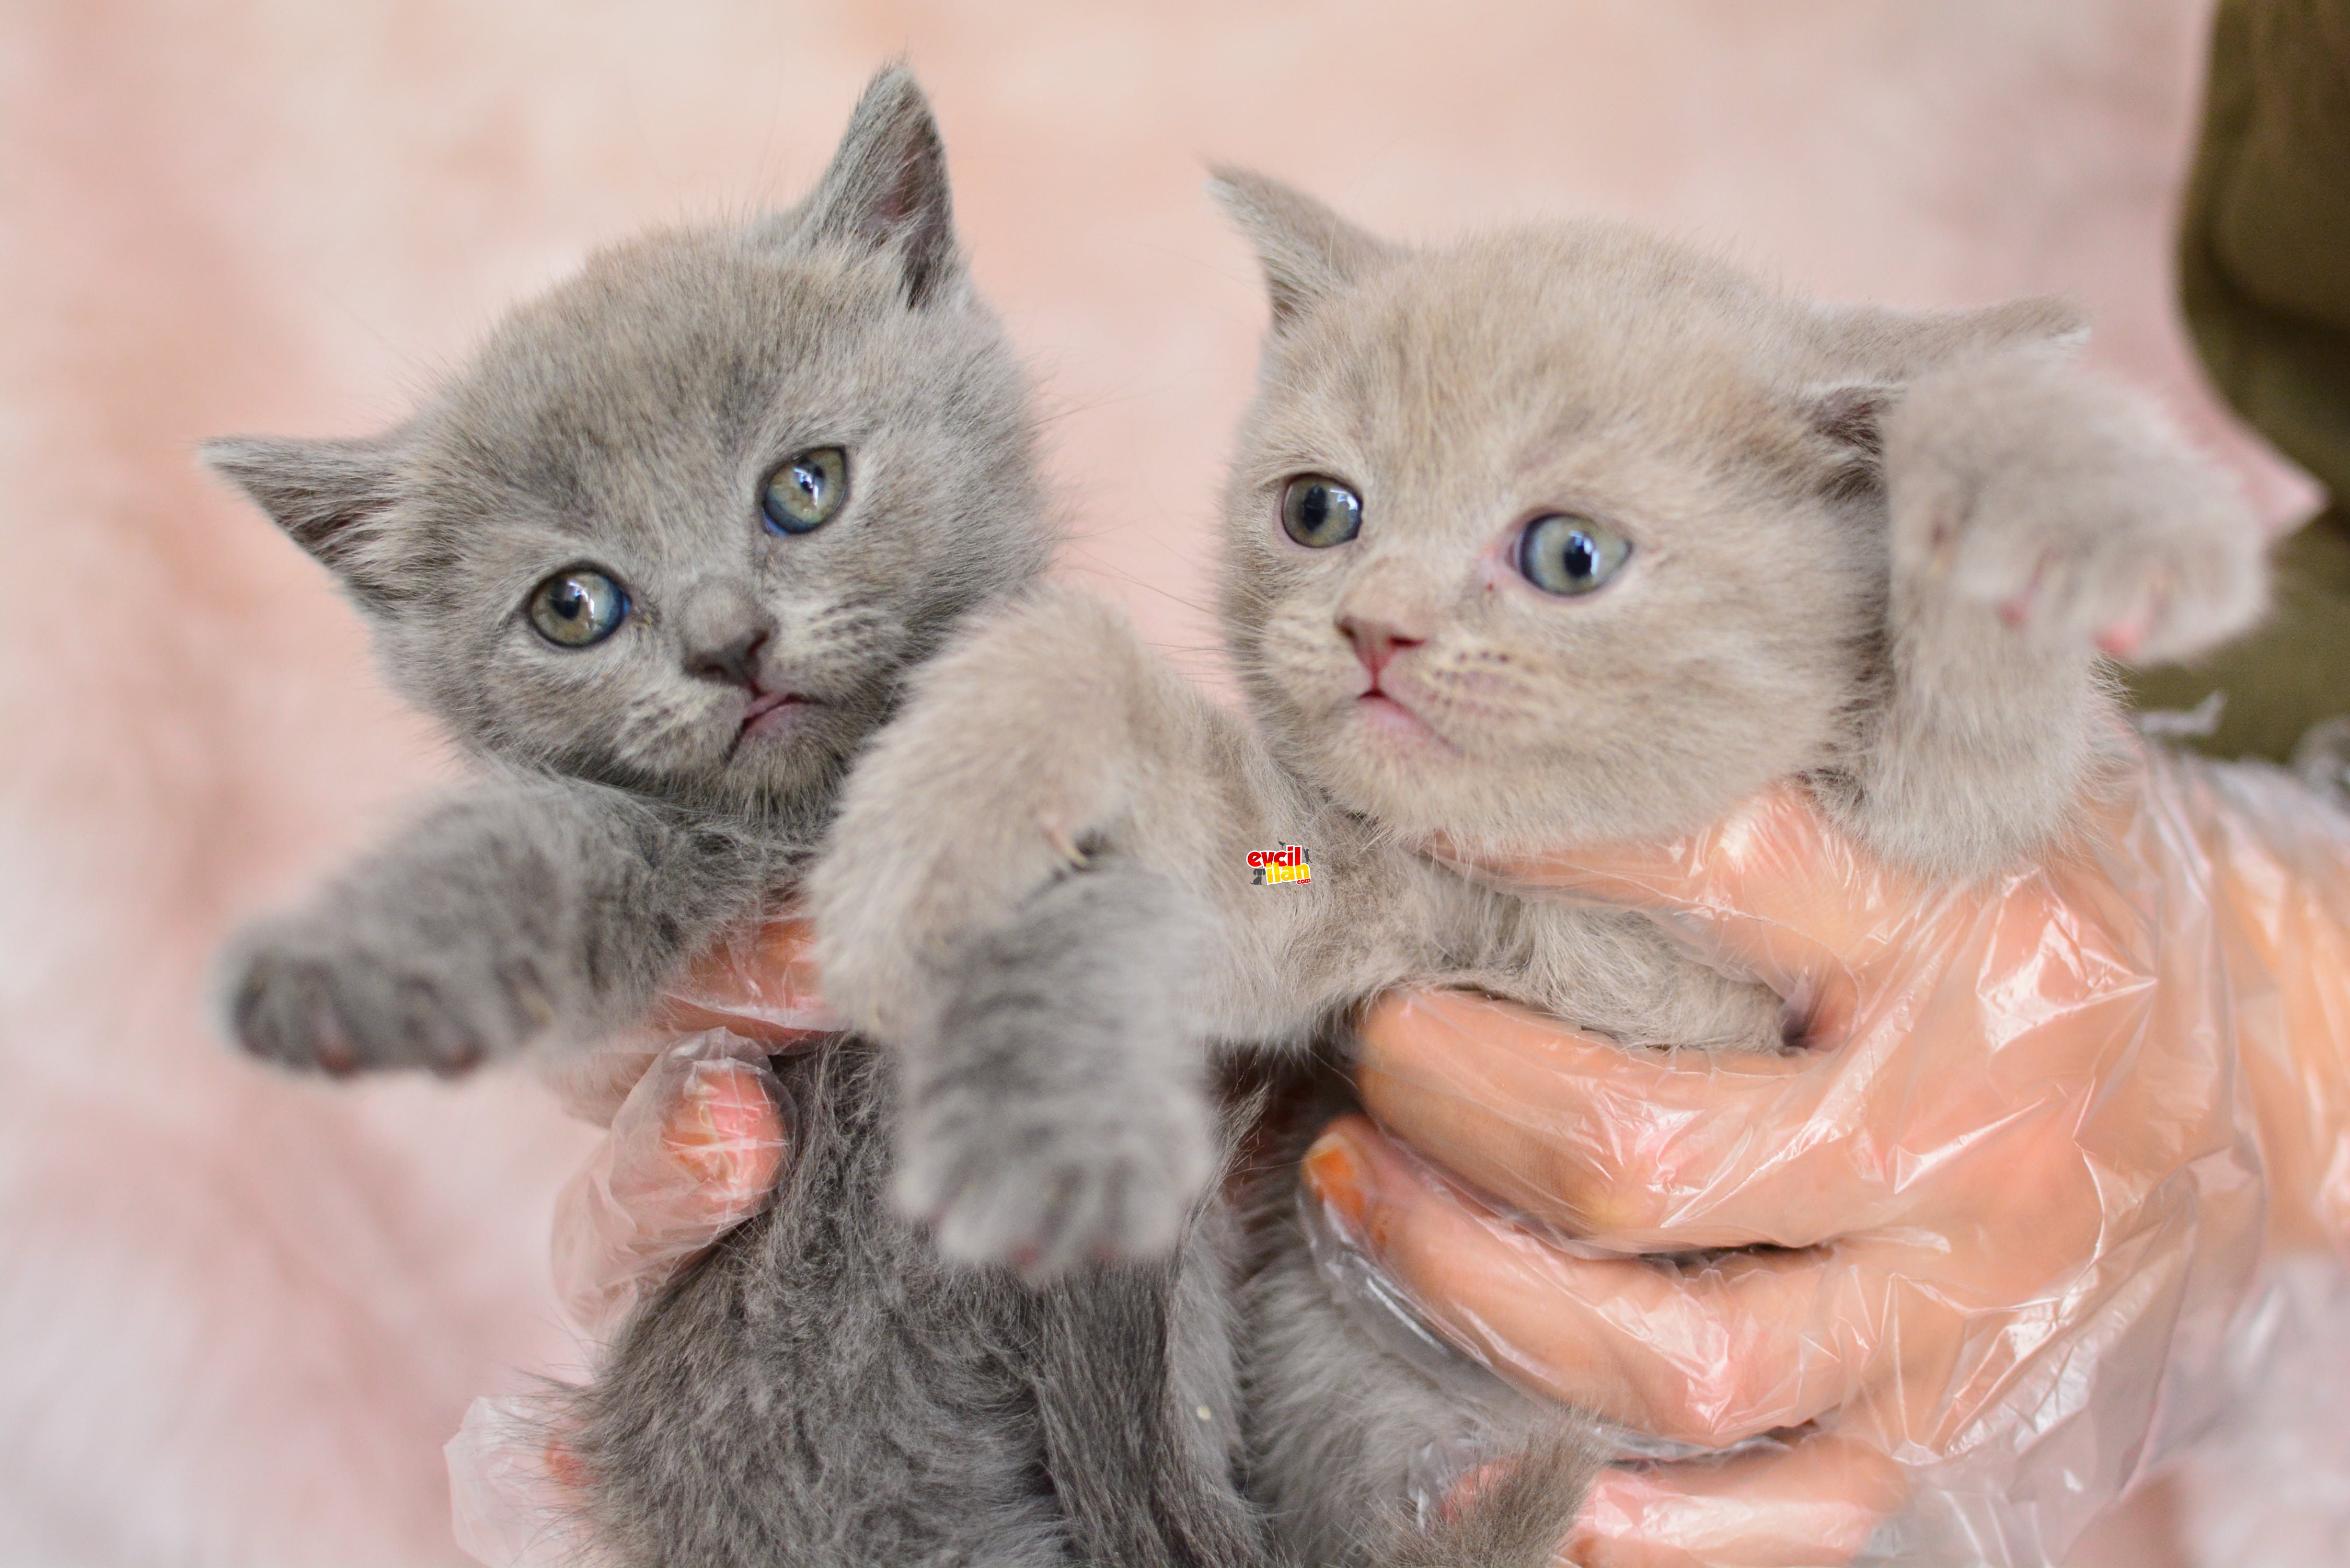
2264, 277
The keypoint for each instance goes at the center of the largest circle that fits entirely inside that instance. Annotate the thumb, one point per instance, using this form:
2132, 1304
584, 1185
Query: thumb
694, 1151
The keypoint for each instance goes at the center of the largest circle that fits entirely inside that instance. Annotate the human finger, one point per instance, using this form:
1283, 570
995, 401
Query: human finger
760, 981
1648, 1152
695, 1151
594, 1085
1633, 1150
1710, 1355
726, 1135
759, 984
1812, 1503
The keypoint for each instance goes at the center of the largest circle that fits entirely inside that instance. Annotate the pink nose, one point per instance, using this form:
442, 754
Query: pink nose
1376, 640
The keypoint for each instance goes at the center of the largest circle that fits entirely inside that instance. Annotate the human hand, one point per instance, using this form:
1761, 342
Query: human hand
2009, 1199
698, 1123
699, 1131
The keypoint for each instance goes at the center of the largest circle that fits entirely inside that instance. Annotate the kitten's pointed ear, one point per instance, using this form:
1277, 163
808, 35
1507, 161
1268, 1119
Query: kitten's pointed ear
1880, 352
1309, 252
1848, 419
887, 188
1886, 344
331, 496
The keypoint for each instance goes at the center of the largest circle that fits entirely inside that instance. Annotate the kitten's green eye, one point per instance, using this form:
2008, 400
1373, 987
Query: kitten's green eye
1566, 554
577, 606
802, 494
1319, 512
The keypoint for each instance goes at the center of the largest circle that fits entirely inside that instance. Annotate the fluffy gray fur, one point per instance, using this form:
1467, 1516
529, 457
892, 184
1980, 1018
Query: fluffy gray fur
1871, 550
628, 421
824, 1388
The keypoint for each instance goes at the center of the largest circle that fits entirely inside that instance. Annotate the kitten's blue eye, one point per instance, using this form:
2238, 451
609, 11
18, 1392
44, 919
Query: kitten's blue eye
802, 495
1566, 554
577, 606
1319, 512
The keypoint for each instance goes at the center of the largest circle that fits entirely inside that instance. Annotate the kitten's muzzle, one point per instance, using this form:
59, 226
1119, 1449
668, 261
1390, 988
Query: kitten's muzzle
1397, 720
734, 661
1377, 640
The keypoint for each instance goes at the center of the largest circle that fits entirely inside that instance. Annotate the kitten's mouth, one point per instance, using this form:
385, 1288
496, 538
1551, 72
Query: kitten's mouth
771, 714
1391, 718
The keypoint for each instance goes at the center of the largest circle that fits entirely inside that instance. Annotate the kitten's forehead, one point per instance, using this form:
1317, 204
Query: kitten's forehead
657, 361
1508, 351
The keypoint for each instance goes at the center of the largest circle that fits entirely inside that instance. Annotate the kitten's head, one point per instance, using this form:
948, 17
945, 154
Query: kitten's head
1558, 534
683, 521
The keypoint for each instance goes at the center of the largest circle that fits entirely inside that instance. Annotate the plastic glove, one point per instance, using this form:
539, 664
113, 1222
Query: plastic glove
2017, 1184
699, 1132
699, 1136
1817, 1499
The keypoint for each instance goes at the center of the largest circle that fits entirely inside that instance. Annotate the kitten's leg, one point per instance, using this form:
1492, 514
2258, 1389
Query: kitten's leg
2036, 515
501, 916
1058, 1113
1032, 892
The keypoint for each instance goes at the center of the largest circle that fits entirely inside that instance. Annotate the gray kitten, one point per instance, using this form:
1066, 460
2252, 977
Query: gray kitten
660, 556
1551, 535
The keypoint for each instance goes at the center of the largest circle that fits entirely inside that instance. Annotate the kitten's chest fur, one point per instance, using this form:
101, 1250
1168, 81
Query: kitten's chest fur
1375, 915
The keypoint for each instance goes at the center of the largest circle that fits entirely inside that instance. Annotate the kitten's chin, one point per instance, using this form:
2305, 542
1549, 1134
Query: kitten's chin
1383, 762
787, 752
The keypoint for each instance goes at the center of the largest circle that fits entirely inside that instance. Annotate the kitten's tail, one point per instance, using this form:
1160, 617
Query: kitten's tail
1109, 1392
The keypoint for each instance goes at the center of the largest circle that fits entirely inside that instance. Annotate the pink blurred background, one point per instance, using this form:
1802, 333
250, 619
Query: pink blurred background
238, 1315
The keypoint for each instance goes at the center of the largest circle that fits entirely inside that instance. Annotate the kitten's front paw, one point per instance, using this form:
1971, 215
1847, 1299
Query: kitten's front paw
2070, 507
1047, 1183
300, 994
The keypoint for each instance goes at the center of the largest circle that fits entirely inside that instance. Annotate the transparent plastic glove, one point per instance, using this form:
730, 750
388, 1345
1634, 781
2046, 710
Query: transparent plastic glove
698, 1134
698, 1123
2015, 1176
2269, 1488
693, 1151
